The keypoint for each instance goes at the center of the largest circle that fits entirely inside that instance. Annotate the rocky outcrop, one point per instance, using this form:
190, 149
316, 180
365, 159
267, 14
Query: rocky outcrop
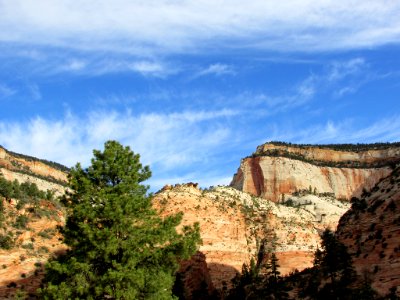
371, 231
193, 279
234, 224
275, 171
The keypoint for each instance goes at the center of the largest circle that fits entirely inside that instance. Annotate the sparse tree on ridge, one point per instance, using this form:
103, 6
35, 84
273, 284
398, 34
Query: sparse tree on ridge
119, 248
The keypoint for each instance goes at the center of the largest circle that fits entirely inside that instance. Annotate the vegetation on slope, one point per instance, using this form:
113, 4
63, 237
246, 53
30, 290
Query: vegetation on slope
341, 147
332, 277
31, 204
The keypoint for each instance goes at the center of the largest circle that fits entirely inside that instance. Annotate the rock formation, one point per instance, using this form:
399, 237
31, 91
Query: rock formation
371, 231
234, 224
276, 169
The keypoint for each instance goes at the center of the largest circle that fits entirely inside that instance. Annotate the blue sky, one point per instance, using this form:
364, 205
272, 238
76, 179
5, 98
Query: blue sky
194, 86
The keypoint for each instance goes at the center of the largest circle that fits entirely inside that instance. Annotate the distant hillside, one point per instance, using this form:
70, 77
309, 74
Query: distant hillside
46, 174
52, 164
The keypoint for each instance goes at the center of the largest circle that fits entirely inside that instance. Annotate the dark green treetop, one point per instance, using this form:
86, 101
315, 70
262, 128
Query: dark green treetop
119, 248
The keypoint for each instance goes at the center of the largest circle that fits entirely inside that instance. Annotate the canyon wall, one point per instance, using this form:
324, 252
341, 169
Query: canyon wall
275, 171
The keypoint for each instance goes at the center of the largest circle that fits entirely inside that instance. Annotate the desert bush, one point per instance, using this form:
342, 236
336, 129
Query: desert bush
21, 221
6, 241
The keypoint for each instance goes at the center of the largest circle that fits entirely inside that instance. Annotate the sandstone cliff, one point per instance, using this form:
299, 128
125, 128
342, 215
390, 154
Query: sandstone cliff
277, 170
234, 224
371, 231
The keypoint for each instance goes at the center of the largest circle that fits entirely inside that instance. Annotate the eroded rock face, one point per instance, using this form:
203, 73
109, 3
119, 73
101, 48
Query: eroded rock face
233, 225
274, 171
371, 231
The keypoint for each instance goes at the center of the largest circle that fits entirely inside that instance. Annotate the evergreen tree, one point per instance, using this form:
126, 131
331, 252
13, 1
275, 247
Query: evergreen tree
273, 265
241, 282
335, 263
6, 190
119, 248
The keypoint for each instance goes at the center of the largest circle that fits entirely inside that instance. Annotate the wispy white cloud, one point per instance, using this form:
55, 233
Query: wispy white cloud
6, 91
341, 69
73, 65
94, 66
217, 69
346, 131
296, 96
152, 68
34, 91
178, 26
168, 142
340, 78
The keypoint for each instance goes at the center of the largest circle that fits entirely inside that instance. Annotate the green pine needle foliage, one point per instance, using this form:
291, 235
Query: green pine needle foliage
119, 248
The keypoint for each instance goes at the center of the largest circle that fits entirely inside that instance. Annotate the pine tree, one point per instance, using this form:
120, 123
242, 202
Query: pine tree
119, 248
273, 264
335, 263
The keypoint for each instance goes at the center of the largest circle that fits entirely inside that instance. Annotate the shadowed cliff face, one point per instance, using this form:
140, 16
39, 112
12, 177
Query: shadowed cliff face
274, 171
371, 231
